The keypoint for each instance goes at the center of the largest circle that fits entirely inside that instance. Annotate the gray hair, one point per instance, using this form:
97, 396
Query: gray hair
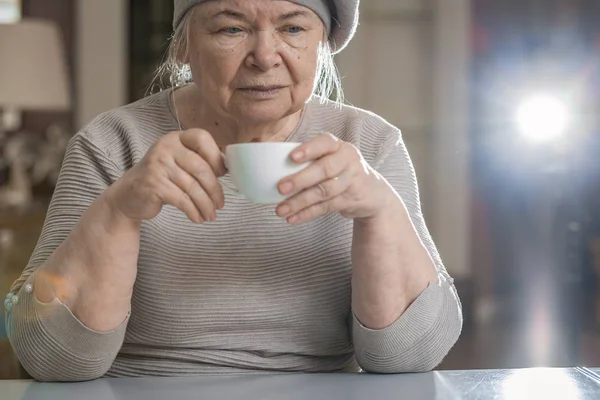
328, 84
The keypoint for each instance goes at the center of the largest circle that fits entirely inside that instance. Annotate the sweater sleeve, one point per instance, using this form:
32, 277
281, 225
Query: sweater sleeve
49, 341
420, 339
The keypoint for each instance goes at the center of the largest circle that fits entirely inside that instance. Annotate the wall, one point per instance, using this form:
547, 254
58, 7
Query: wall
409, 63
452, 209
101, 57
387, 69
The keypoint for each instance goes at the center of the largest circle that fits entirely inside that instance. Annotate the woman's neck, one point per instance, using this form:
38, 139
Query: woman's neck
193, 112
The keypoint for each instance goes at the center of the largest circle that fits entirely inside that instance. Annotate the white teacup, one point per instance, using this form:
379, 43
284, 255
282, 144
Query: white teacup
257, 168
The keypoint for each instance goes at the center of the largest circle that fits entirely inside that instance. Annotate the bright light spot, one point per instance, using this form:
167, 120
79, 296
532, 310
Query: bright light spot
542, 117
547, 384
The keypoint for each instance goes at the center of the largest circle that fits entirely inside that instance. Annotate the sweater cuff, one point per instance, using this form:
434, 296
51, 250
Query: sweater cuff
42, 332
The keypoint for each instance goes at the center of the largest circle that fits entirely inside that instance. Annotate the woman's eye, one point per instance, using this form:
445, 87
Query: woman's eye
231, 30
294, 29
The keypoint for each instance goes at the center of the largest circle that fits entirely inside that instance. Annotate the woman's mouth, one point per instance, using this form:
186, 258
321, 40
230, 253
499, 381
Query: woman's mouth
261, 92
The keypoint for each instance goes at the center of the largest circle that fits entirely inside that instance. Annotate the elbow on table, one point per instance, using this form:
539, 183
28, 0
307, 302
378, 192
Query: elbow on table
47, 358
57, 365
398, 365
42, 374
52, 345
422, 357
394, 353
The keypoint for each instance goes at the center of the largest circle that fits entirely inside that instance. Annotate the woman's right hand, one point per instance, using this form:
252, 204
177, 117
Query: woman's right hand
180, 169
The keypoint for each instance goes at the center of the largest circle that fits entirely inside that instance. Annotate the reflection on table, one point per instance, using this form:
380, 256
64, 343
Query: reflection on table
530, 384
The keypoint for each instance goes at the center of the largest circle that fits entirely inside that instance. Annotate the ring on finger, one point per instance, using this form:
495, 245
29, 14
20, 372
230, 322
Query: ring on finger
322, 189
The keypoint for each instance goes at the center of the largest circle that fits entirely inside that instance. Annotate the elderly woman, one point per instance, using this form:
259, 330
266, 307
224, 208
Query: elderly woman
150, 264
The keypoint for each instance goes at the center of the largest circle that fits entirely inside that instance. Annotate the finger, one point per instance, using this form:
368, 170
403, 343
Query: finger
316, 148
319, 171
176, 197
200, 170
194, 190
319, 193
316, 211
202, 143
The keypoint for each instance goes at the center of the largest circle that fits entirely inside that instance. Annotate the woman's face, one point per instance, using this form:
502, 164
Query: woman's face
254, 60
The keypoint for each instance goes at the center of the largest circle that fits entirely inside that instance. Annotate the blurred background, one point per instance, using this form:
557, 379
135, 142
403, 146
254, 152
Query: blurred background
499, 103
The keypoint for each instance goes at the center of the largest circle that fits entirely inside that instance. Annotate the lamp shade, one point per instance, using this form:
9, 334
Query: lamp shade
33, 74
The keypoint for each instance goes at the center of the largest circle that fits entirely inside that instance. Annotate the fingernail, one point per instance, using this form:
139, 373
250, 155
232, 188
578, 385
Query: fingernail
293, 219
283, 211
286, 187
297, 155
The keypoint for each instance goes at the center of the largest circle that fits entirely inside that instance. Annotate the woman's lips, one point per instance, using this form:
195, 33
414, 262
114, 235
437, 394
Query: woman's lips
261, 91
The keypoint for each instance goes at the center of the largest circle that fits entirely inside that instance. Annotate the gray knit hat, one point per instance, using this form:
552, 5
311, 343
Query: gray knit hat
340, 17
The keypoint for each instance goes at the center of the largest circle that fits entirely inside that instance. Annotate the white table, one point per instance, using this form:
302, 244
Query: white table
526, 384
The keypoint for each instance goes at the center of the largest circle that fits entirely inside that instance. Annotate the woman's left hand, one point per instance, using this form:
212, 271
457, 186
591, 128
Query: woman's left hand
338, 180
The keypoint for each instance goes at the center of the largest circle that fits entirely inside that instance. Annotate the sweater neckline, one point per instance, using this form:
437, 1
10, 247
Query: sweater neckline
167, 95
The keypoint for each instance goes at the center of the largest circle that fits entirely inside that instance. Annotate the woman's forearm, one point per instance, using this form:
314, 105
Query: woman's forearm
94, 269
391, 266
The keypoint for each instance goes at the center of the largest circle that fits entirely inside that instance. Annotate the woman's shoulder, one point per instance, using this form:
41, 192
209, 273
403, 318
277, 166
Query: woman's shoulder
349, 119
370, 132
151, 111
132, 126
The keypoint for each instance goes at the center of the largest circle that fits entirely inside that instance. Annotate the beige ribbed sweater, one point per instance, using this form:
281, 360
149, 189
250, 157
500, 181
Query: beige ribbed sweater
247, 293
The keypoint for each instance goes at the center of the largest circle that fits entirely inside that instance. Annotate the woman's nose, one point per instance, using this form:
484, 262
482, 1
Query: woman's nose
264, 54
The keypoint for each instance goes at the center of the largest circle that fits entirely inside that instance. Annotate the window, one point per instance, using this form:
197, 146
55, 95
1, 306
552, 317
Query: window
150, 29
10, 10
